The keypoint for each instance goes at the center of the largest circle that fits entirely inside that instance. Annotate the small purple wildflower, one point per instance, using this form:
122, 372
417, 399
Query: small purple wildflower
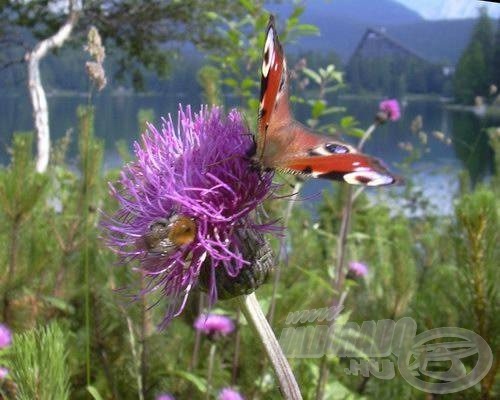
230, 394
389, 110
358, 268
213, 323
165, 396
3, 373
196, 171
5, 336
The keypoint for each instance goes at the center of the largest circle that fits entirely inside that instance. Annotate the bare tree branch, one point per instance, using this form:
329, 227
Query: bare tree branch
35, 87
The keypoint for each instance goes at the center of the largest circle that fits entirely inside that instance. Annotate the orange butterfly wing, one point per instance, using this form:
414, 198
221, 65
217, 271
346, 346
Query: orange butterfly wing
285, 144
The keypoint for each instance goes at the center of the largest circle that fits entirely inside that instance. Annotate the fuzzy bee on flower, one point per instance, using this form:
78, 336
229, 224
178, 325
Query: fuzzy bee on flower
165, 236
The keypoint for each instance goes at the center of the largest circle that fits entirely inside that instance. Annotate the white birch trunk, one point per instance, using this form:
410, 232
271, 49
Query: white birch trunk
37, 92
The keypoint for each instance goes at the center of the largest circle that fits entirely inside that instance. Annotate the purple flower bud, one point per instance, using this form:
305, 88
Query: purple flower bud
5, 336
212, 323
388, 110
3, 373
230, 394
187, 201
165, 396
357, 268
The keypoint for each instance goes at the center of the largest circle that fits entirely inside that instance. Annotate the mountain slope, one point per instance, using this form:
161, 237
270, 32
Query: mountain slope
450, 9
385, 12
343, 22
437, 41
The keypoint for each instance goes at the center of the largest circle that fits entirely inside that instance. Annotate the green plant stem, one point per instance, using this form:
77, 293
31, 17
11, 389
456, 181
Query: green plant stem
253, 313
211, 360
339, 279
338, 284
236, 355
144, 336
282, 253
197, 341
135, 354
367, 135
13, 251
87, 282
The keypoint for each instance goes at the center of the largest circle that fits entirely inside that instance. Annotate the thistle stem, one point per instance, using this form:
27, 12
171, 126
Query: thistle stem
338, 283
339, 280
256, 318
367, 135
211, 359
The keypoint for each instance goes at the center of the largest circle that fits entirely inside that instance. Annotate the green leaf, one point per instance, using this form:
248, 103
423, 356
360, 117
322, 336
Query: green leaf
306, 29
317, 279
312, 75
248, 83
248, 5
297, 12
333, 110
59, 304
211, 15
198, 382
348, 122
318, 108
356, 132
230, 82
95, 394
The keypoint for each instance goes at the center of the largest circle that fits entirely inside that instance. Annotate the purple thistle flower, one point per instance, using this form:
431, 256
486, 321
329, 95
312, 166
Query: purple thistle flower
165, 396
388, 110
212, 323
3, 373
357, 268
187, 201
5, 336
230, 394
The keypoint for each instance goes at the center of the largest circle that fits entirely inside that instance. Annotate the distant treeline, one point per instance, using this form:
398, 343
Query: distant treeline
396, 75
478, 70
65, 72
389, 74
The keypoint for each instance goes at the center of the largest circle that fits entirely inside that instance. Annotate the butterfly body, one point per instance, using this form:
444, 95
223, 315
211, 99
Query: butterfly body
285, 144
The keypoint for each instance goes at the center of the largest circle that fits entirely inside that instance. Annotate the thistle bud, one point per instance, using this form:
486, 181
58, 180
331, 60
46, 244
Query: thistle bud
258, 253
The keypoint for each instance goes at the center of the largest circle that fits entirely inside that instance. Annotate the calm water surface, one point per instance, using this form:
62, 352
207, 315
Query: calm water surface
435, 172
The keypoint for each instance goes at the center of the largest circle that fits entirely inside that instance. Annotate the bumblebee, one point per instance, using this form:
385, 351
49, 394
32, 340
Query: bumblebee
166, 235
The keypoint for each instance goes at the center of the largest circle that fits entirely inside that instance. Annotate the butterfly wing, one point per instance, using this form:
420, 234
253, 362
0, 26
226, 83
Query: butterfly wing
274, 107
286, 144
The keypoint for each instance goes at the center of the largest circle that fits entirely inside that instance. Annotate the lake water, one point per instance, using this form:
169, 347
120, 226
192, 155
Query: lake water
435, 172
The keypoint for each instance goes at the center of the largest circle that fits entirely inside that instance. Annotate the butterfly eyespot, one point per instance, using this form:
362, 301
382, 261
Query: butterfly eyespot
328, 149
369, 178
335, 148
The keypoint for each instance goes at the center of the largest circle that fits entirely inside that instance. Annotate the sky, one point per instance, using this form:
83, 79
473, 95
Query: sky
450, 9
